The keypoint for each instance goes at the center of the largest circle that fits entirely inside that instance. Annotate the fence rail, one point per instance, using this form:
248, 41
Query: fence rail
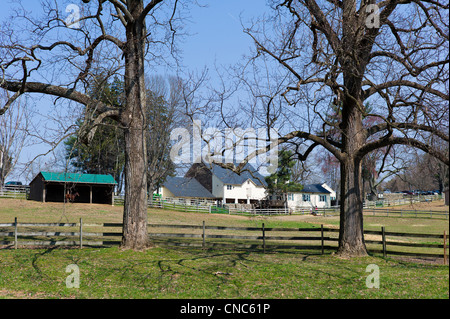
18, 234
405, 213
18, 192
405, 199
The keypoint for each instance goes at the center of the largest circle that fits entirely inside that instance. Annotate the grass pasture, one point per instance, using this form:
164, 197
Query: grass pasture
190, 273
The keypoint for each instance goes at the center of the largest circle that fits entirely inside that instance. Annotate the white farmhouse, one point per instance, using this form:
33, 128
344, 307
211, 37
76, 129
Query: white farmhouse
246, 188
311, 196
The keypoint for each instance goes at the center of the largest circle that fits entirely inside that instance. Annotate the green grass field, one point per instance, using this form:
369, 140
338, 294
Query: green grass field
188, 273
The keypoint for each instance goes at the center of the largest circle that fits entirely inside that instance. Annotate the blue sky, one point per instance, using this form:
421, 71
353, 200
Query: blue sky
216, 29
216, 37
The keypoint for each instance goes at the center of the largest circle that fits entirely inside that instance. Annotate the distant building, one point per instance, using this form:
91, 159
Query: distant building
85, 188
229, 187
215, 183
311, 196
184, 187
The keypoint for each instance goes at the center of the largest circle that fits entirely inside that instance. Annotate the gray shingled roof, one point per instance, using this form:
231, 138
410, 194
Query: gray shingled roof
315, 188
186, 187
229, 177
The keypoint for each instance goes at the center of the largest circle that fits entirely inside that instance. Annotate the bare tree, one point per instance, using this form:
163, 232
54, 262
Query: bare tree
13, 137
319, 56
57, 57
164, 113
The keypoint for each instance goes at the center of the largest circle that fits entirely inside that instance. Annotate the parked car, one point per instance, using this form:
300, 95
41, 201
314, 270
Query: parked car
13, 185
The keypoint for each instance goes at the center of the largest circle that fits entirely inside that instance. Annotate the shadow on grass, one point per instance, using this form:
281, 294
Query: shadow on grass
164, 271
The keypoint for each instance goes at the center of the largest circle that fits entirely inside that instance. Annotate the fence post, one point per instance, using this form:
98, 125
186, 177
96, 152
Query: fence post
15, 232
264, 238
322, 239
81, 233
383, 238
445, 247
203, 236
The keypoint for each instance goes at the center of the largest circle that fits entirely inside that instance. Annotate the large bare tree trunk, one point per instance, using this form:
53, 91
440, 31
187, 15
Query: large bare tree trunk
351, 236
135, 234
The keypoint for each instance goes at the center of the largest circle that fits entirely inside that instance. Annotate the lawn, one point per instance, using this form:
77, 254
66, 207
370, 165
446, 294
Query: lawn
190, 274
162, 272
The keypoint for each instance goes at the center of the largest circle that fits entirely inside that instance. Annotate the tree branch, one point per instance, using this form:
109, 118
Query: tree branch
369, 147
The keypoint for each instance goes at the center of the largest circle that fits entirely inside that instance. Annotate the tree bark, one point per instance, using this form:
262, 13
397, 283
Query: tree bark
351, 234
135, 233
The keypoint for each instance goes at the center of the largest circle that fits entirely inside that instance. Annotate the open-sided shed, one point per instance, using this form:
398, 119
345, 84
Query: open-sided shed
84, 188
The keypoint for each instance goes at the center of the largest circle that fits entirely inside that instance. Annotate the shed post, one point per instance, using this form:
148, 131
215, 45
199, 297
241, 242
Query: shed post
90, 194
112, 195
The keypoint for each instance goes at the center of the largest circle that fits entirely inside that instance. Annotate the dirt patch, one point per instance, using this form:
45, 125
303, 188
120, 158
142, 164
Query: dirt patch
437, 205
21, 295
424, 260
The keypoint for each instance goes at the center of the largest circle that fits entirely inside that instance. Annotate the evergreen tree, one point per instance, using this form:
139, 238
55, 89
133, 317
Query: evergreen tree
105, 154
280, 183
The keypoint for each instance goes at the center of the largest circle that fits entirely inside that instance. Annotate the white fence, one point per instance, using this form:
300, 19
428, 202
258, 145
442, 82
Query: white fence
14, 192
209, 206
180, 206
402, 201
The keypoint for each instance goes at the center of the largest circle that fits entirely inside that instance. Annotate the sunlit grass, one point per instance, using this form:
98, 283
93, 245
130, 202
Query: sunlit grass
191, 273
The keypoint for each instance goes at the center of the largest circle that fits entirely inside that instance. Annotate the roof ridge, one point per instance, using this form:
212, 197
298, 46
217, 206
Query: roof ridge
78, 177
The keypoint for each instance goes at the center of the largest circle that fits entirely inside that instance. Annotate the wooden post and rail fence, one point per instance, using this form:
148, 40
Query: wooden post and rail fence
21, 234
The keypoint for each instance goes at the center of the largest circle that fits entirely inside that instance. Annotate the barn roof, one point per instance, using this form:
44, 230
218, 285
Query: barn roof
186, 187
78, 178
